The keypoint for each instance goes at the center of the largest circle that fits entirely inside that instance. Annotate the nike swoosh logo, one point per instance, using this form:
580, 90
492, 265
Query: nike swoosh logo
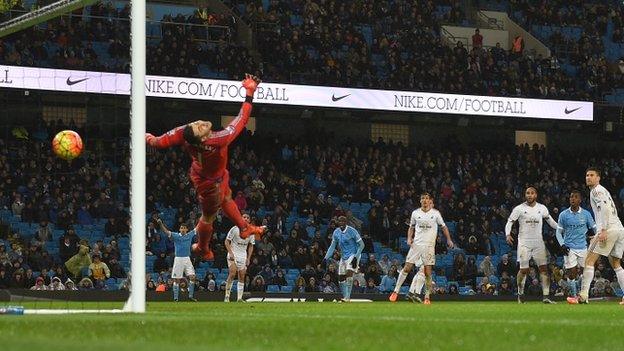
567, 112
334, 98
72, 82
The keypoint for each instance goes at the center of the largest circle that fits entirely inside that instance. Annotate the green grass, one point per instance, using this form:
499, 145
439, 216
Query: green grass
324, 326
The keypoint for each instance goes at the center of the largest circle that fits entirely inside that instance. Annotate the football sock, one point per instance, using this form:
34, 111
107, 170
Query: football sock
545, 284
240, 288
400, 280
521, 279
588, 276
572, 285
176, 291
228, 289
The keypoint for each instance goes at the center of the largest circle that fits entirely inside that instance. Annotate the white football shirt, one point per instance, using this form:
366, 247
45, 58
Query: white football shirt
530, 220
426, 226
604, 209
239, 245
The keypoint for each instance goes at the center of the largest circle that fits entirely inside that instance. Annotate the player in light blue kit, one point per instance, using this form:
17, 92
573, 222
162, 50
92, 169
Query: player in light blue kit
182, 263
351, 246
572, 229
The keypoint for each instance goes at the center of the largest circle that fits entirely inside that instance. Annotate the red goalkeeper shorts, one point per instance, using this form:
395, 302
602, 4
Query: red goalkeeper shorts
211, 192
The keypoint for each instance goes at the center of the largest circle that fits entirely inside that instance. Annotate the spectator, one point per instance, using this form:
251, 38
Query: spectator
113, 227
311, 286
385, 264
453, 290
161, 264
517, 47
471, 271
18, 205
257, 284
371, 288
372, 261
44, 232
116, 270
39, 284
505, 265
56, 284
98, 271
241, 201
5, 281
211, 286
372, 273
151, 230
477, 39
18, 281
505, 287
78, 262
85, 284
534, 289
327, 285
151, 286
459, 267
300, 284
279, 278
486, 268
69, 285
388, 281
67, 249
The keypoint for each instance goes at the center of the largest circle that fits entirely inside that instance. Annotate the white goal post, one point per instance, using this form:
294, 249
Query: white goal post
136, 301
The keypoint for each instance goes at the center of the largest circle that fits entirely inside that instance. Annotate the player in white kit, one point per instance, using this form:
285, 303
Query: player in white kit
530, 216
238, 257
421, 237
609, 239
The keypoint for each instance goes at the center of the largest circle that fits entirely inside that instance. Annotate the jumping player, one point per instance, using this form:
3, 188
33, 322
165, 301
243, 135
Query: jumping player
209, 152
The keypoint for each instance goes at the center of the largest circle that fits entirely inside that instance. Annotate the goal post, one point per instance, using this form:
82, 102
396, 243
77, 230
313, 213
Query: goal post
137, 188
137, 155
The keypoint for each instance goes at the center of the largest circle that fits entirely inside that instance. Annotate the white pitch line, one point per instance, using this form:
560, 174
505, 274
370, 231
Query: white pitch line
562, 322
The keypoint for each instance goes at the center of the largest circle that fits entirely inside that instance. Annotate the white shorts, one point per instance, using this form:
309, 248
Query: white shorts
536, 252
181, 266
419, 255
345, 265
614, 246
240, 261
576, 257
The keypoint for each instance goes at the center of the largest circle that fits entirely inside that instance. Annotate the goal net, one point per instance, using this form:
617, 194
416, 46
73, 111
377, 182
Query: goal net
72, 232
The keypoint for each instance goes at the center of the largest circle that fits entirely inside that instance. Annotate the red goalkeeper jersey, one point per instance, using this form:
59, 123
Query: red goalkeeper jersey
210, 159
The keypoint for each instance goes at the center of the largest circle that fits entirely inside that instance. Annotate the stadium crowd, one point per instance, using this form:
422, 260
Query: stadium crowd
475, 187
366, 44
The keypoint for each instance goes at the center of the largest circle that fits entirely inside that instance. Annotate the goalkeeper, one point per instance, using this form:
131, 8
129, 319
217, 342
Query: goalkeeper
209, 152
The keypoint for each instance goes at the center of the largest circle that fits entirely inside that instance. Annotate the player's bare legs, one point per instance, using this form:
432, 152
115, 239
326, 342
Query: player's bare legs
401, 278
428, 285
521, 280
233, 269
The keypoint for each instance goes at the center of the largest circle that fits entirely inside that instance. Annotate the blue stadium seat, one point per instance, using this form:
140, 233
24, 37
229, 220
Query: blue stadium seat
286, 289
404, 290
272, 289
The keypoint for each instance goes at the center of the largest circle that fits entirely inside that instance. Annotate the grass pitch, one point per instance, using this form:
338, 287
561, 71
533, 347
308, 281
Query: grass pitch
323, 326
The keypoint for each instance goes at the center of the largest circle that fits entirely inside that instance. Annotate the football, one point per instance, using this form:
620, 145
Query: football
67, 144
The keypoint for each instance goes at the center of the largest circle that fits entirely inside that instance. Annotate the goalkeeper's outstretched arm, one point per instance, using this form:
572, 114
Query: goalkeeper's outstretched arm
174, 137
